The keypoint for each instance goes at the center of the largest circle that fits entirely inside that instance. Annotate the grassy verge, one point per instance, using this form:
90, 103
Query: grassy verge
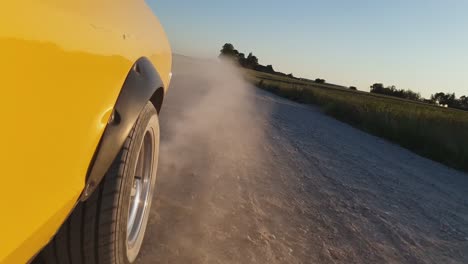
431, 131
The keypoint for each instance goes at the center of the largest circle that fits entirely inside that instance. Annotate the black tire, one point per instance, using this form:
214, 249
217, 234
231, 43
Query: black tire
96, 231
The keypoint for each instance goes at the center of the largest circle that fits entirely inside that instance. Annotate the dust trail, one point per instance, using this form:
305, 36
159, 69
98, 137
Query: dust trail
209, 141
222, 106
210, 127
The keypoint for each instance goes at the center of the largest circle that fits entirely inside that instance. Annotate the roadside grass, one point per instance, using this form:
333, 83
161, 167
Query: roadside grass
434, 132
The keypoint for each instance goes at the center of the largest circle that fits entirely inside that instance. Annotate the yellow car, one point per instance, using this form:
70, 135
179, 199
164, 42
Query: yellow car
82, 82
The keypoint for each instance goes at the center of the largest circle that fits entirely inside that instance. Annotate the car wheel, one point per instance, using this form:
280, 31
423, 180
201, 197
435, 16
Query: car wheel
109, 227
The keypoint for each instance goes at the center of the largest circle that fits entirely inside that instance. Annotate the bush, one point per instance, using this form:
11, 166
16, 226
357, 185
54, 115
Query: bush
379, 88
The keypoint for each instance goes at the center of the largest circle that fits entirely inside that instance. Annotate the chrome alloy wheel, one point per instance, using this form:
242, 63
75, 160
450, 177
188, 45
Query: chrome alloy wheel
141, 195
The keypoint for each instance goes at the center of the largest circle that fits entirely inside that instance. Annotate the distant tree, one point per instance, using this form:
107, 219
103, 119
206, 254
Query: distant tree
377, 88
228, 50
353, 88
228, 47
242, 60
251, 62
252, 59
464, 101
318, 80
269, 69
290, 75
438, 98
443, 98
450, 100
410, 95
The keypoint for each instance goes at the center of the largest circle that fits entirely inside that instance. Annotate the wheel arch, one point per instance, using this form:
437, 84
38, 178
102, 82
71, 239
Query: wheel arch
157, 98
142, 84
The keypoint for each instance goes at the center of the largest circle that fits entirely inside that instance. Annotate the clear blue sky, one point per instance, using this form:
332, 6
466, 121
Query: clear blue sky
415, 44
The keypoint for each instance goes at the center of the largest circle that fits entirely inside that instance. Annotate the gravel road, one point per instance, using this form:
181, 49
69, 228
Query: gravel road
248, 177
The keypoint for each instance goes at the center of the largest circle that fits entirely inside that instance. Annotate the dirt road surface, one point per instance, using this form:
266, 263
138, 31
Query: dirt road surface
248, 177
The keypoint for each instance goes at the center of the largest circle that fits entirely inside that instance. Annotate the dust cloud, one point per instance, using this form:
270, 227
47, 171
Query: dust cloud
208, 125
220, 104
209, 144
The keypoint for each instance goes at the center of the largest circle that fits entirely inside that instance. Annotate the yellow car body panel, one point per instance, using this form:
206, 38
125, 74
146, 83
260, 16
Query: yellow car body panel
62, 66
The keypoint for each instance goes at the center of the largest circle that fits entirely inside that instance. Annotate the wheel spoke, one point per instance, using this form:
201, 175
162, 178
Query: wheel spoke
140, 192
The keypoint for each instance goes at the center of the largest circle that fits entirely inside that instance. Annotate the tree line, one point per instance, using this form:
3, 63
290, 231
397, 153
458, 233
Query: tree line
251, 62
442, 99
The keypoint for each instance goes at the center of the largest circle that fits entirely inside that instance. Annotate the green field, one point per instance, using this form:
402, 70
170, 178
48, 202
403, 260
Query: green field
440, 134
